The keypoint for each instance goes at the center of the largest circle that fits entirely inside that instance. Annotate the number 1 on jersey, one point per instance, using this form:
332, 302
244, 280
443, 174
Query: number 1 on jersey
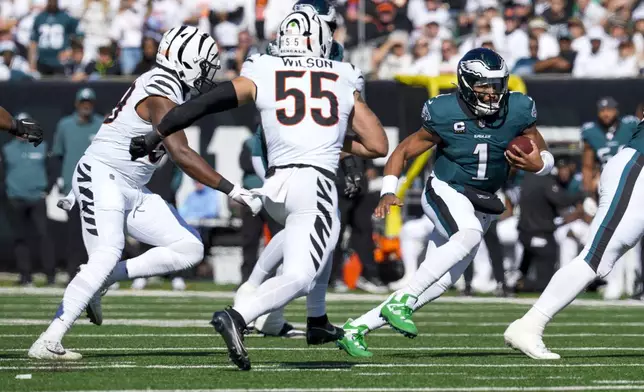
481, 151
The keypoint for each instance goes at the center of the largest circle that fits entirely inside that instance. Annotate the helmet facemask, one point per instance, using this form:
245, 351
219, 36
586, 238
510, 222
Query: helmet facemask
206, 80
483, 90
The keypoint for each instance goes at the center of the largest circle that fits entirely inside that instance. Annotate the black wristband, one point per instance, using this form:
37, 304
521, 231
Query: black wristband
225, 186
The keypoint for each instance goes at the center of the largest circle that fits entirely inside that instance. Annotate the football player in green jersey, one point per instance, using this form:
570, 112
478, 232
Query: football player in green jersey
605, 137
617, 227
471, 129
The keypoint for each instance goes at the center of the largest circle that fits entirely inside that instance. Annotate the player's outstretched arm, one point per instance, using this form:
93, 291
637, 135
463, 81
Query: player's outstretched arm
588, 168
372, 140
225, 96
188, 160
411, 147
26, 129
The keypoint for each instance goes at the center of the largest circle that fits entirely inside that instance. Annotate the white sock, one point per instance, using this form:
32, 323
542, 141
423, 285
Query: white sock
159, 261
270, 295
268, 260
78, 293
372, 318
443, 259
564, 286
316, 300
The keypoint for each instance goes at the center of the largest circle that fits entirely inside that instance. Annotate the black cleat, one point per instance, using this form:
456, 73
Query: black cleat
232, 334
316, 335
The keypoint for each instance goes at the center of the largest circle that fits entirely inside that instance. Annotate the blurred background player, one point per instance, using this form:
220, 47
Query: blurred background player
603, 139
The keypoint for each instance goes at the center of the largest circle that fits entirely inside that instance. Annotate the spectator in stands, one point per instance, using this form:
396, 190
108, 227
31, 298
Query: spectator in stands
13, 60
225, 19
591, 13
76, 67
433, 33
246, 47
449, 58
424, 62
381, 19
524, 9
74, 133
418, 12
580, 41
598, 63
516, 39
616, 34
127, 32
562, 63
50, 39
638, 33
391, 58
95, 25
274, 11
627, 62
24, 29
105, 64
482, 30
557, 15
548, 46
26, 185
150, 47
202, 203
525, 66
164, 14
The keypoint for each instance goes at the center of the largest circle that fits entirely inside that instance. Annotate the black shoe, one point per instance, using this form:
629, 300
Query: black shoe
467, 291
320, 333
232, 332
289, 331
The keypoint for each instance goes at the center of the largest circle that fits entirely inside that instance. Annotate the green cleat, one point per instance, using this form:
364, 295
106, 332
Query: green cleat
397, 313
353, 341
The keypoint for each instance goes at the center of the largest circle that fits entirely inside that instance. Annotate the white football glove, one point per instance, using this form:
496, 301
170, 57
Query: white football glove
590, 206
243, 196
67, 203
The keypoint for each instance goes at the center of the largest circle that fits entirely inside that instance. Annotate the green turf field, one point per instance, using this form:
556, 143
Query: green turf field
163, 342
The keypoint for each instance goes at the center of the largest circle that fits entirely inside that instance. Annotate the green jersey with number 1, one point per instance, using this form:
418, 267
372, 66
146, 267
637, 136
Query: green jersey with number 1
472, 148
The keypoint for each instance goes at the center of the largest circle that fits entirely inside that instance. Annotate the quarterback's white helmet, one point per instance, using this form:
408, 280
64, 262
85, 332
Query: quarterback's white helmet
191, 54
304, 33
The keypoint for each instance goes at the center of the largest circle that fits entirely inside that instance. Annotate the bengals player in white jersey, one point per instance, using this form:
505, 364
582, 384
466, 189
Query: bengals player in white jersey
110, 187
306, 103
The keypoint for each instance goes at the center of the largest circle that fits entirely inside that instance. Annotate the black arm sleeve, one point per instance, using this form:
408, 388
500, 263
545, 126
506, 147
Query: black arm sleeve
221, 98
246, 160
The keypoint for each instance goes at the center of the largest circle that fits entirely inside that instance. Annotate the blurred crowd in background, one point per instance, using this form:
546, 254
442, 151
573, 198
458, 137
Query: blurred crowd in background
90, 39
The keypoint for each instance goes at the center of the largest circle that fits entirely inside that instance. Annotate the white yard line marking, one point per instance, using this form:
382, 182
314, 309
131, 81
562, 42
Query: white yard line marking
451, 348
407, 389
331, 297
373, 334
203, 323
80, 366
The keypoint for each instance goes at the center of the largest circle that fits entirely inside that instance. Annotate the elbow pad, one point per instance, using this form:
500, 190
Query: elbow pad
221, 98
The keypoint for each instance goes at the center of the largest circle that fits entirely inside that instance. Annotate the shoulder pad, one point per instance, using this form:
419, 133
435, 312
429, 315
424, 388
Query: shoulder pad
630, 119
587, 125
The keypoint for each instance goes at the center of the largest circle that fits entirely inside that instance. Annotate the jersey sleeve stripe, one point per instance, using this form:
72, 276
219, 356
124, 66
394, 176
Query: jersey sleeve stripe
173, 80
166, 84
156, 86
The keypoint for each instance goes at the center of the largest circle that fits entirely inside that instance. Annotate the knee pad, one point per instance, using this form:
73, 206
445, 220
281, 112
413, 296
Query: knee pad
189, 252
469, 239
304, 283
